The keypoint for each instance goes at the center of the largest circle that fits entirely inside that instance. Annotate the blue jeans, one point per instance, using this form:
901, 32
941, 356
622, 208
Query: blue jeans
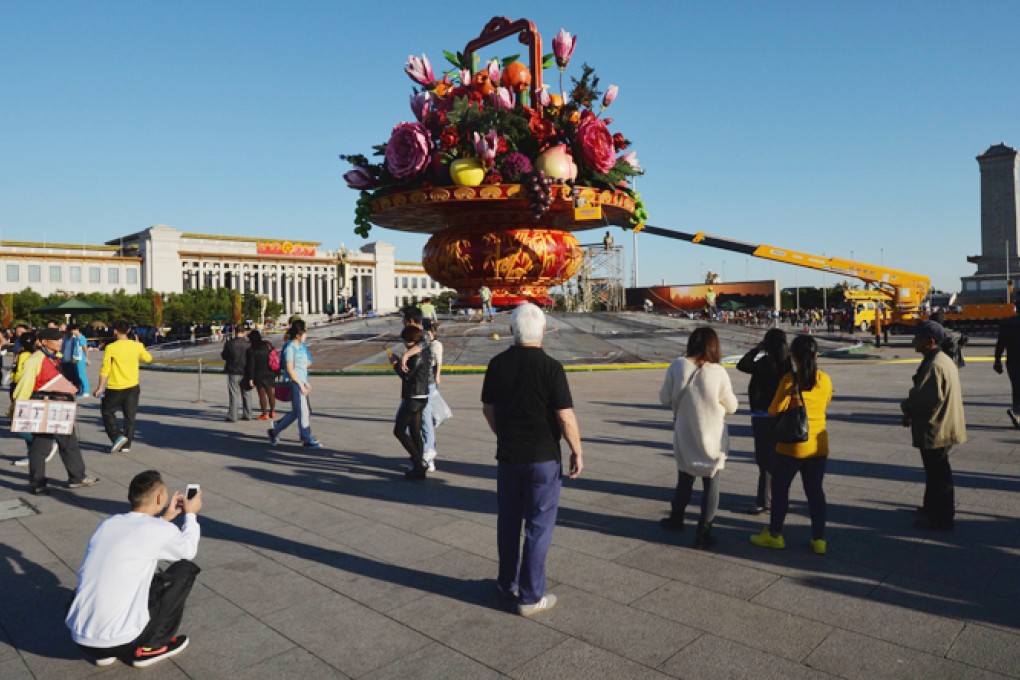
812, 472
300, 412
528, 492
428, 423
487, 309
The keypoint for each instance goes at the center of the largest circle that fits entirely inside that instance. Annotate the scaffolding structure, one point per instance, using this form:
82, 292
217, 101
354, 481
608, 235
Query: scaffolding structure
599, 282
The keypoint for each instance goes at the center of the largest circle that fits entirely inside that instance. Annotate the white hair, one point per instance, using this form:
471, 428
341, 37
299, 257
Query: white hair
528, 324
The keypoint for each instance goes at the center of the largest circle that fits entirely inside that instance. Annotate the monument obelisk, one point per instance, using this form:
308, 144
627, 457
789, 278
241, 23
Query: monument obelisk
1000, 228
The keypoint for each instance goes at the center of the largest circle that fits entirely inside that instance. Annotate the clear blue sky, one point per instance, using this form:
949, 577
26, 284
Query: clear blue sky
827, 127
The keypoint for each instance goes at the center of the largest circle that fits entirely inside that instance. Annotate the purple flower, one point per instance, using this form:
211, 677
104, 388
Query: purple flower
563, 47
502, 98
421, 104
465, 77
543, 97
420, 70
610, 95
360, 178
407, 152
514, 165
486, 147
493, 70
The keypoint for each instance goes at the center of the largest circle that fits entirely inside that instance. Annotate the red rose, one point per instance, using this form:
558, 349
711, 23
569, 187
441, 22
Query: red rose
595, 144
620, 142
449, 138
502, 146
541, 129
493, 177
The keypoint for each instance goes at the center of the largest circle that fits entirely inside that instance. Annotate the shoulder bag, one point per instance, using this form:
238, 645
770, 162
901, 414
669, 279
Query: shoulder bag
792, 424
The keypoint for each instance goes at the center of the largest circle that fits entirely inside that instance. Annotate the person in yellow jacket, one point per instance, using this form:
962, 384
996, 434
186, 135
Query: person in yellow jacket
118, 385
808, 457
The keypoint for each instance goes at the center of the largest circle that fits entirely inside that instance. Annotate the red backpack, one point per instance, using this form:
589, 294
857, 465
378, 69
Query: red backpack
274, 360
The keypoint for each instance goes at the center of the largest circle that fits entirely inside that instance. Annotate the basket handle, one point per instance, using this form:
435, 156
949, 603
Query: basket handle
501, 27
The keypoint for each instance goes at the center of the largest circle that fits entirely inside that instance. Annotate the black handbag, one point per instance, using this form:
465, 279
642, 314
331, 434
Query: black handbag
792, 424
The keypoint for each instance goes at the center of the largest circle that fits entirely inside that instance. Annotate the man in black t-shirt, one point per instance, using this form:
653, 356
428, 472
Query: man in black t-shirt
527, 403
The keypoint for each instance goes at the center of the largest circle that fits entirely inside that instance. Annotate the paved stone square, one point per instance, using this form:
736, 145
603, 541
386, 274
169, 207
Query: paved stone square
328, 564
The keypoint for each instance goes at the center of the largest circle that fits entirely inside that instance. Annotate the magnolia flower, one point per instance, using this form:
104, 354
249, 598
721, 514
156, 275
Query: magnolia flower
421, 104
610, 95
563, 47
486, 147
465, 77
543, 97
502, 98
493, 70
630, 159
360, 178
420, 70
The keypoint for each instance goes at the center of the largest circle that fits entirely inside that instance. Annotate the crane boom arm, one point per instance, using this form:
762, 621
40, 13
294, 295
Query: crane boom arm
906, 290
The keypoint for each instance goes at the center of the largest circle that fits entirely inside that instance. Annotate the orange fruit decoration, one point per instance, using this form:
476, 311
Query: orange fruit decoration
516, 76
481, 83
557, 101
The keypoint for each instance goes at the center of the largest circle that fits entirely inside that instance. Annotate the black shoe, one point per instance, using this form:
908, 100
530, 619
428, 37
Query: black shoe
672, 524
1012, 416
704, 538
39, 491
146, 656
756, 510
416, 474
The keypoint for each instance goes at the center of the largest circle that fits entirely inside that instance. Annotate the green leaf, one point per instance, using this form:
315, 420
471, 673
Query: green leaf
509, 60
548, 61
452, 58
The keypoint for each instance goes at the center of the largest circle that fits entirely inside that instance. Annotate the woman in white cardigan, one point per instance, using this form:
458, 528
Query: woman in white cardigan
698, 390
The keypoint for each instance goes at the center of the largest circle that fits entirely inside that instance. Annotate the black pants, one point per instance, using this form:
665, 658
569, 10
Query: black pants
1013, 371
812, 473
682, 496
127, 401
764, 430
407, 429
70, 454
167, 594
939, 497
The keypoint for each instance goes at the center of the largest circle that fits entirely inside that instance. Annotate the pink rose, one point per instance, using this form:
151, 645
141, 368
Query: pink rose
407, 152
595, 144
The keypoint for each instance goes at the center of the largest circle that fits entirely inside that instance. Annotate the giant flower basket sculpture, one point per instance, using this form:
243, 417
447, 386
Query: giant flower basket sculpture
499, 170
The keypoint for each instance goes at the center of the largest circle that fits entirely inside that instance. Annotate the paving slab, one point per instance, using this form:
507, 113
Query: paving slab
846, 654
711, 657
328, 564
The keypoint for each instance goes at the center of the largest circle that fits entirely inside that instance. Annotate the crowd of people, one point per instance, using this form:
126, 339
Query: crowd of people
126, 607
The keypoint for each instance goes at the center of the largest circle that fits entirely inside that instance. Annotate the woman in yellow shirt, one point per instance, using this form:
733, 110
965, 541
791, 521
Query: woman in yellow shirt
808, 457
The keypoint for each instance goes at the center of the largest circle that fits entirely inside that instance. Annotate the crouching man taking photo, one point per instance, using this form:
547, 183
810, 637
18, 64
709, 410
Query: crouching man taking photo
124, 606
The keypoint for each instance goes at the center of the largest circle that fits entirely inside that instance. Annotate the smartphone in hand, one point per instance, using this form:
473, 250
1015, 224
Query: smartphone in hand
192, 491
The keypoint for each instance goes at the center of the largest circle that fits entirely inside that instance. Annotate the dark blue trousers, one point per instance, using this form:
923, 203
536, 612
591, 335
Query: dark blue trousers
812, 472
528, 493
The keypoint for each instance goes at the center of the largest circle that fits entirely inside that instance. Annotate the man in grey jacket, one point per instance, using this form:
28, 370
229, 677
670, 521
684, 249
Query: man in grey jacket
933, 410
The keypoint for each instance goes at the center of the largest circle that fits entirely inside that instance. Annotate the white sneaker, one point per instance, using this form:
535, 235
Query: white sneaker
53, 452
545, 604
429, 455
21, 462
430, 466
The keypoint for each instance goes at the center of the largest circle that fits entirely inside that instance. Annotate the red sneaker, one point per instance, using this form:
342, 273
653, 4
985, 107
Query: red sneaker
264, 416
146, 656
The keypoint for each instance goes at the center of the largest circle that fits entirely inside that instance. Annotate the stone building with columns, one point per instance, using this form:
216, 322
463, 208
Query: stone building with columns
300, 275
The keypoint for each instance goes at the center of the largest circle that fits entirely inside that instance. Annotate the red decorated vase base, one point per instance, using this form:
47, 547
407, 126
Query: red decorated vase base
507, 299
